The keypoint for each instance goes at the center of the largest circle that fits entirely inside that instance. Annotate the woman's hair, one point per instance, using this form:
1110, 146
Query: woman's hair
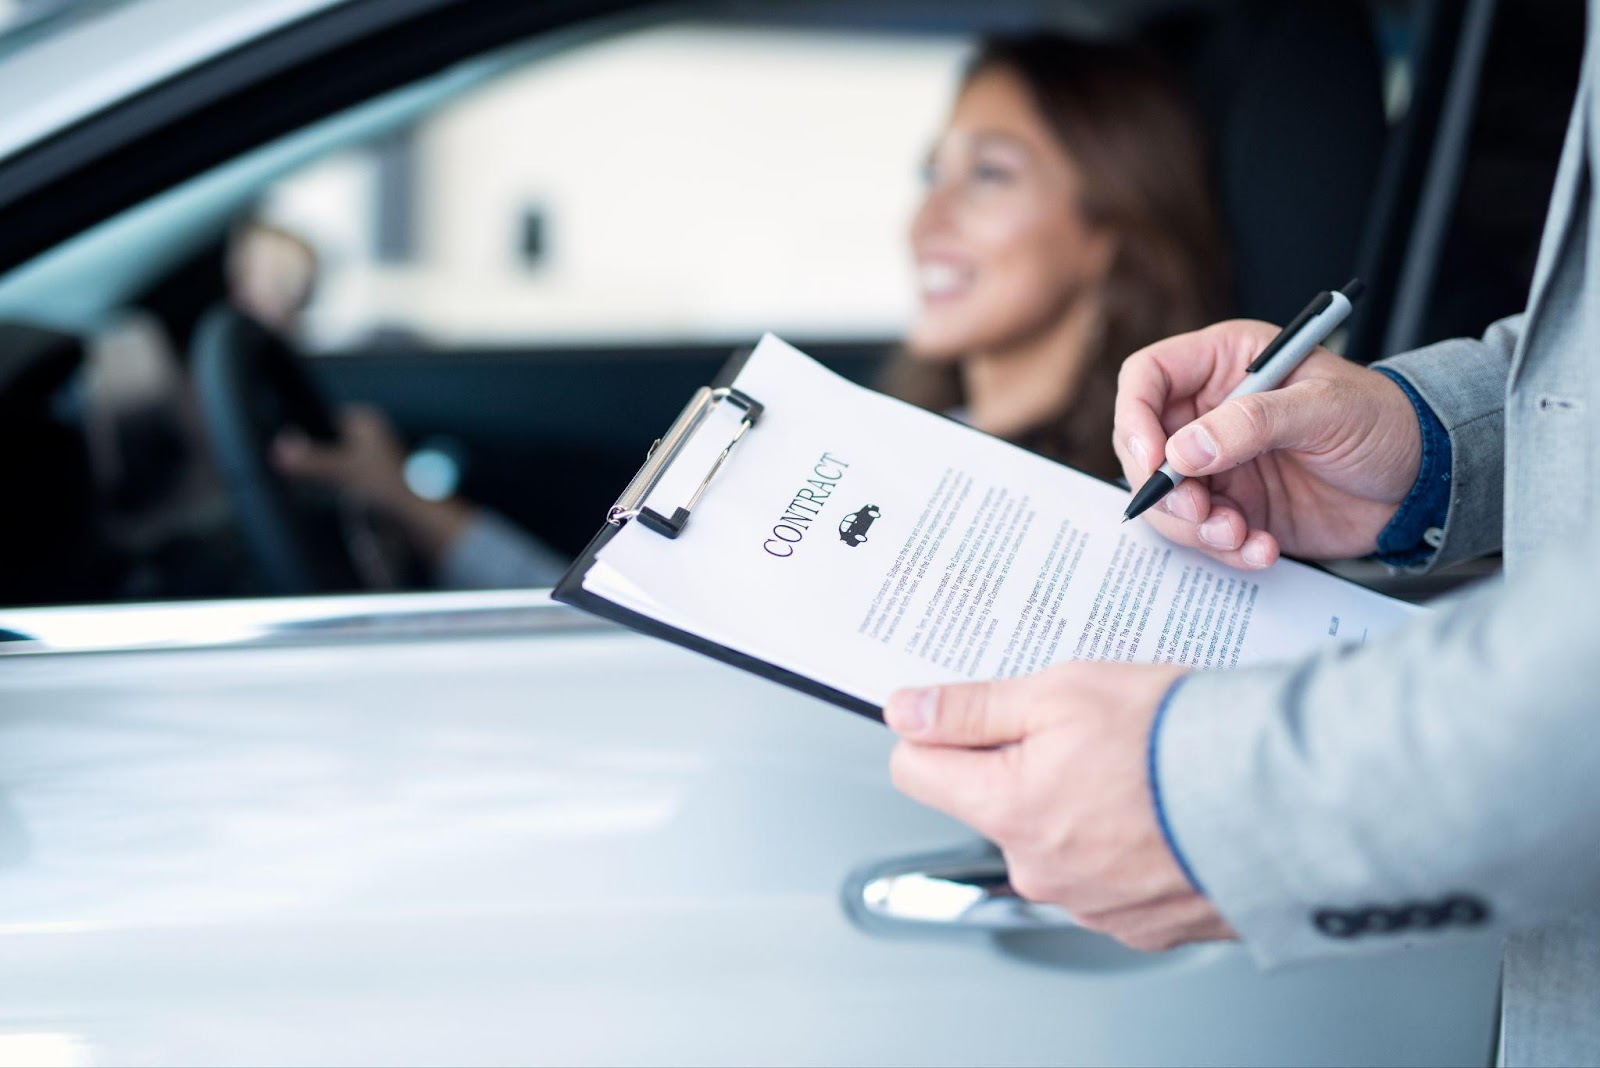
1124, 124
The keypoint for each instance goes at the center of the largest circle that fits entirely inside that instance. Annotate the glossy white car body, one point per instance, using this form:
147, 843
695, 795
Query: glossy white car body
561, 844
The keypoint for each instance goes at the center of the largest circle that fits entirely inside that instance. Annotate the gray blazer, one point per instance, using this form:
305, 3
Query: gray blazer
1448, 778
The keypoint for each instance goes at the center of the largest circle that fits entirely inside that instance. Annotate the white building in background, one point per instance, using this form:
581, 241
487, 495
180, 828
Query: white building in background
684, 182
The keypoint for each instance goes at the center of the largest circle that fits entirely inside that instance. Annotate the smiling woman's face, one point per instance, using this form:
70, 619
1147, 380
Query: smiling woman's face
1000, 244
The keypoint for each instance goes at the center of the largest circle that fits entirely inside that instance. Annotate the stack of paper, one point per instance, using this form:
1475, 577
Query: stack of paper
856, 540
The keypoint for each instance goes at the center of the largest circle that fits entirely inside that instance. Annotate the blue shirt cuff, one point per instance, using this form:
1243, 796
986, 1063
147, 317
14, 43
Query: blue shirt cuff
1155, 785
1405, 541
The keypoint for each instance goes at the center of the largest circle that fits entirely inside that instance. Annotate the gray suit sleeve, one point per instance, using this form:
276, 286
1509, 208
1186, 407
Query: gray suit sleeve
1455, 758
1464, 382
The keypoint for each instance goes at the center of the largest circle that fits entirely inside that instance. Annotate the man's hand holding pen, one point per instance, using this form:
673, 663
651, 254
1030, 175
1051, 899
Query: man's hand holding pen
1314, 468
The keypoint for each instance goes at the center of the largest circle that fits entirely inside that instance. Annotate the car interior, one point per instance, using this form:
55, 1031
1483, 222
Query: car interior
1393, 140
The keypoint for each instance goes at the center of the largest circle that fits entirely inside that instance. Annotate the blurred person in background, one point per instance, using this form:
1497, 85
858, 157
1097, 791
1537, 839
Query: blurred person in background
272, 276
1068, 221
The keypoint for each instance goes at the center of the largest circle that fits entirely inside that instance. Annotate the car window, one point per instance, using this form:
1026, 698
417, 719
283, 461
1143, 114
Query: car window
688, 182
524, 264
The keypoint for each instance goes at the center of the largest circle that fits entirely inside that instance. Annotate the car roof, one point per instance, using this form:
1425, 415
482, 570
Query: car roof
110, 51
56, 79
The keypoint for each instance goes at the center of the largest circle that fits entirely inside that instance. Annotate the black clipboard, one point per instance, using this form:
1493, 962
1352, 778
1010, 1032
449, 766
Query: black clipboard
630, 509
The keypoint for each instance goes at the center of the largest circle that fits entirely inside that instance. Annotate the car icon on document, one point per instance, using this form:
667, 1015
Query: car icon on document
853, 527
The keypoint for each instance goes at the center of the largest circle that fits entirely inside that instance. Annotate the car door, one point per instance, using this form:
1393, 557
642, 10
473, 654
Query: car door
481, 828
563, 844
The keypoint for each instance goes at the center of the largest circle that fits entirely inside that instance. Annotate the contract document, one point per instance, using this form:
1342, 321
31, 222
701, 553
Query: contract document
860, 542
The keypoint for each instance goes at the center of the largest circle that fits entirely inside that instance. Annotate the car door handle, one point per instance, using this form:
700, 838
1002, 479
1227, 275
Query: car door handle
964, 889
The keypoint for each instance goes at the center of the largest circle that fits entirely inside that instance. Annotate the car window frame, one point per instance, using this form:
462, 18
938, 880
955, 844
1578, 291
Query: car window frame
248, 97
162, 137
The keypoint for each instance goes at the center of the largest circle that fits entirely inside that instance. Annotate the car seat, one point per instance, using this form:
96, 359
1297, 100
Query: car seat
1291, 96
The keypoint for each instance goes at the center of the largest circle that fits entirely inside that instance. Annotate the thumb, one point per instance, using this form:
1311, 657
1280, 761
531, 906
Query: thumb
1237, 431
976, 715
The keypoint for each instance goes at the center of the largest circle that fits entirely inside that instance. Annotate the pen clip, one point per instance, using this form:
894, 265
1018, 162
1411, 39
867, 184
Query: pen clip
1318, 305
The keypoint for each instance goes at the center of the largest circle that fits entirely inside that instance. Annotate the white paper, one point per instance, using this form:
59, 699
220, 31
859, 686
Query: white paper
980, 560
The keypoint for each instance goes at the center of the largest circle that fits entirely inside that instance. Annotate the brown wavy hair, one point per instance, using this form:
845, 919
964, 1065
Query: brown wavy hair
1120, 117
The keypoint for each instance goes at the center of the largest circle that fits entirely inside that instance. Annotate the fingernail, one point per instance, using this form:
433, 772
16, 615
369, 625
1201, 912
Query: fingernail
1255, 554
1141, 455
1195, 447
1179, 506
912, 711
1216, 532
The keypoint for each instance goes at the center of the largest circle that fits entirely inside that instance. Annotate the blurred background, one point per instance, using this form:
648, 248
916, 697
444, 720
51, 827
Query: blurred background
523, 240
687, 182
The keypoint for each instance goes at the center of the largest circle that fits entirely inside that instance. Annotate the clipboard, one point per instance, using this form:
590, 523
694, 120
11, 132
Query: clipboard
630, 508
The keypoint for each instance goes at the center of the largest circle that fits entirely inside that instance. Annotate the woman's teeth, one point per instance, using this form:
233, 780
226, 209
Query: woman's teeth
941, 279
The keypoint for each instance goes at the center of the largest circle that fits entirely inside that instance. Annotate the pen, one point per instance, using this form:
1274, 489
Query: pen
1294, 343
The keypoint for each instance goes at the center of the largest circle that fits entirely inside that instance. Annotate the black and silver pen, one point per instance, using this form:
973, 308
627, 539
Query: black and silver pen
1294, 343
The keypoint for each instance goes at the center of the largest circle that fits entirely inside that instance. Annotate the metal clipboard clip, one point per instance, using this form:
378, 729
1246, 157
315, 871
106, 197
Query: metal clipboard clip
631, 504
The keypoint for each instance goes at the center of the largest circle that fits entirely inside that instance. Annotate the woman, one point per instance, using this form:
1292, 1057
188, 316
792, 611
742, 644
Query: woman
1068, 221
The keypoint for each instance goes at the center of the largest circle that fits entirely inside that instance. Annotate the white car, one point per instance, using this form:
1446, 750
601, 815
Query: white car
264, 803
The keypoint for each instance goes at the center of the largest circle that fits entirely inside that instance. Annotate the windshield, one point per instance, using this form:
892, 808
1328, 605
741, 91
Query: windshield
22, 21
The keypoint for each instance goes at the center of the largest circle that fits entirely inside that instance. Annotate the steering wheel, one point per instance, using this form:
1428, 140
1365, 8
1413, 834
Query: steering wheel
250, 385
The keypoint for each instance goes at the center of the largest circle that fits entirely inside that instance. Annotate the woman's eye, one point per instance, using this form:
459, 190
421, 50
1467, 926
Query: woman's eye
989, 172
